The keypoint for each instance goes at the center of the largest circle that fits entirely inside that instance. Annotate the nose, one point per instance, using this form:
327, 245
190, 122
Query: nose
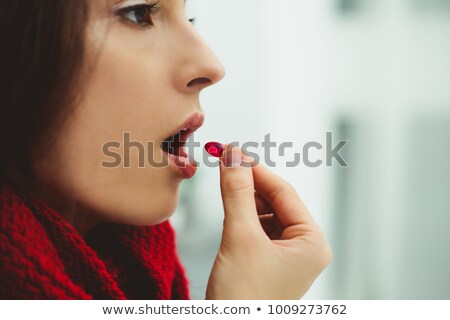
198, 66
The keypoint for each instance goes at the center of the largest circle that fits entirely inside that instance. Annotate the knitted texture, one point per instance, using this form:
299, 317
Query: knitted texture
43, 257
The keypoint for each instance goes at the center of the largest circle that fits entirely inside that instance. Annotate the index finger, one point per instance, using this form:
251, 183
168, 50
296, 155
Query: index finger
282, 197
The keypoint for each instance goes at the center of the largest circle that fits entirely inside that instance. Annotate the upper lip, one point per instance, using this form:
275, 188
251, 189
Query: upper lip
190, 125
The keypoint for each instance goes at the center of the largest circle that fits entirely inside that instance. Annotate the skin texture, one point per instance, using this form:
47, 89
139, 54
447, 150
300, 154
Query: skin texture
147, 81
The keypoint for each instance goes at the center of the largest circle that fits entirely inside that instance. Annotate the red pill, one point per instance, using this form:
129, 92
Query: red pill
215, 149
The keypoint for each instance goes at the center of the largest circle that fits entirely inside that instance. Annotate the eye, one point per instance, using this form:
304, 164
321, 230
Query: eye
193, 20
140, 15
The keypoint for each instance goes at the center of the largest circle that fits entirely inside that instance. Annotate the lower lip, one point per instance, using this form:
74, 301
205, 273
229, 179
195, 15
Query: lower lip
186, 169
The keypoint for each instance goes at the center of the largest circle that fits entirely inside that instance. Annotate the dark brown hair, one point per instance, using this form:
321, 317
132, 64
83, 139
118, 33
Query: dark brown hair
41, 56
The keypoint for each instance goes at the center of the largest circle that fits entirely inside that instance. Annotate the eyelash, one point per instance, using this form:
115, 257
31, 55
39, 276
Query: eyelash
151, 10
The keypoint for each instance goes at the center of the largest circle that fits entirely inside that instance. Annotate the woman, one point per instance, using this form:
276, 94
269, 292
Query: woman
79, 75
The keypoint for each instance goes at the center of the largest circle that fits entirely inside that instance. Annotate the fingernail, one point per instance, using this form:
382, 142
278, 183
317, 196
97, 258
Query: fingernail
233, 157
248, 161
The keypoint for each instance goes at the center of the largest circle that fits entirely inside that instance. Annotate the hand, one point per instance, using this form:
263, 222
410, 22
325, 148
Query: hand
271, 246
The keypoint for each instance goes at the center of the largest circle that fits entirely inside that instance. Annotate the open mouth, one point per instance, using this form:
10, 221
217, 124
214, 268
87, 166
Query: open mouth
175, 143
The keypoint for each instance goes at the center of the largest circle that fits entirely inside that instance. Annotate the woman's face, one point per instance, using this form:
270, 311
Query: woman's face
147, 66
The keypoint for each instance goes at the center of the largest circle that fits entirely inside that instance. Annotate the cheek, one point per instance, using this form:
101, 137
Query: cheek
130, 195
121, 97
127, 97
133, 85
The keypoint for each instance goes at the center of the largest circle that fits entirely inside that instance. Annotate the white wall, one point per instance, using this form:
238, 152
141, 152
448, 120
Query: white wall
296, 69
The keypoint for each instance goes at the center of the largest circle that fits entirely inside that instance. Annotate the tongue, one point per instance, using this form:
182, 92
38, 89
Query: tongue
174, 143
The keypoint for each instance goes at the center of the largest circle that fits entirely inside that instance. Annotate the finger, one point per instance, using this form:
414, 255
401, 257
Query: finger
282, 197
237, 188
261, 205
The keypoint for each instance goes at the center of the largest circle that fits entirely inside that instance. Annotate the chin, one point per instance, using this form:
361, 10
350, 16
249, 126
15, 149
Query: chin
151, 212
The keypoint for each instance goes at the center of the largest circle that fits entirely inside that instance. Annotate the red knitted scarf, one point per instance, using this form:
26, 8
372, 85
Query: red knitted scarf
43, 257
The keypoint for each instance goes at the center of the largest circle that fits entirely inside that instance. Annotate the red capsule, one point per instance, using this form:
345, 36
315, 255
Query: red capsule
215, 149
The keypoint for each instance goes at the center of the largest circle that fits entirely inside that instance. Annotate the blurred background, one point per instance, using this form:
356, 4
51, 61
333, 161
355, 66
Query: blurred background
373, 72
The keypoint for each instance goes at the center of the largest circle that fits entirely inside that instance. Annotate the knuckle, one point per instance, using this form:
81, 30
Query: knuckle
236, 184
290, 187
325, 255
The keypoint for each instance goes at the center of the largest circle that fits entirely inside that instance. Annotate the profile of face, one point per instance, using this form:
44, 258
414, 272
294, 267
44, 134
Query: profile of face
146, 68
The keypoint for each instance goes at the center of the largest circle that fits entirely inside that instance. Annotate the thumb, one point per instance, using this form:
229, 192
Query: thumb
237, 187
